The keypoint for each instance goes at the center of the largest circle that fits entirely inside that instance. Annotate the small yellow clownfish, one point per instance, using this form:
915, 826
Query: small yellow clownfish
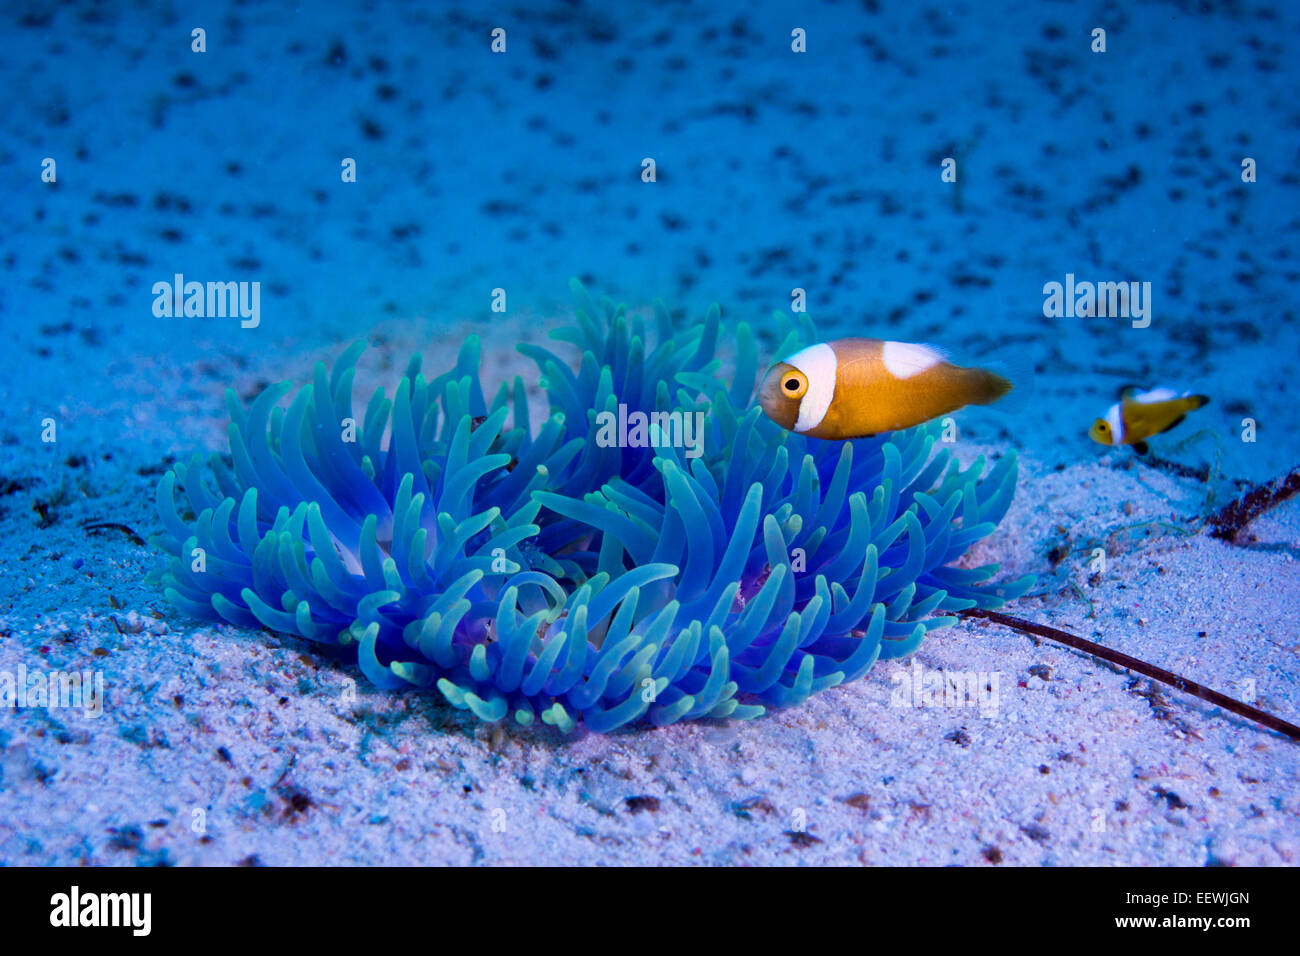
1140, 414
853, 388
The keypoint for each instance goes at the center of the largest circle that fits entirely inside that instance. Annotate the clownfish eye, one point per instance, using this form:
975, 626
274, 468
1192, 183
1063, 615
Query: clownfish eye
793, 385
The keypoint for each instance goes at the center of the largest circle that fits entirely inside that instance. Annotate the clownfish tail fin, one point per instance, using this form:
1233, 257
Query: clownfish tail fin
1008, 382
990, 386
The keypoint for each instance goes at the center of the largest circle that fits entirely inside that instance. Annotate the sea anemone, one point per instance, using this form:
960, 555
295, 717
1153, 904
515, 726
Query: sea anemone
546, 572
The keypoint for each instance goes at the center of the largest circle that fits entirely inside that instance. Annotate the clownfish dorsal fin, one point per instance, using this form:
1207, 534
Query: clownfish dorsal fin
945, 355
1126, 392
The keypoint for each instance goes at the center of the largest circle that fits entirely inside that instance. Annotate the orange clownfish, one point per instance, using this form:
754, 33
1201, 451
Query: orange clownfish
1140, 414
853, 388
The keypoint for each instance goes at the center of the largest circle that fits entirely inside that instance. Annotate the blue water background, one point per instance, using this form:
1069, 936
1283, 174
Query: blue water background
775, 170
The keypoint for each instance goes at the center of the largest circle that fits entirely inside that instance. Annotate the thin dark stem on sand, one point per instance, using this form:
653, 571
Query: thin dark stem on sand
115, 526
1261, 717
1229, 521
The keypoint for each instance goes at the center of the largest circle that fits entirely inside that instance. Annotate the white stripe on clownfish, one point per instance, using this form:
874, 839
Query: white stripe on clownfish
820, 367
904, 359
1153, 395
1116, 423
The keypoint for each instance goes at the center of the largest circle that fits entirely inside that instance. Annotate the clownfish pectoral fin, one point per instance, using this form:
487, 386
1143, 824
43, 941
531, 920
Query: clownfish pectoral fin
1141, 447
